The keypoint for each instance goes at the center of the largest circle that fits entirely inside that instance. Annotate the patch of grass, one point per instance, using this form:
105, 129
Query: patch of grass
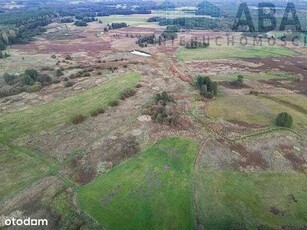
131, 20
214, 52
151, 191
254, 110
17, 124
256, 76
227, 199
17, 172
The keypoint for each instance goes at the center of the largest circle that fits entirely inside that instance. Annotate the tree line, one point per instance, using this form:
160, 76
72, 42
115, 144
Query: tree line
197, 23
170, 33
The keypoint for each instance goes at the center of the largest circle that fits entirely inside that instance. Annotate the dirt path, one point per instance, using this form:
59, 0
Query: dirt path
174, 70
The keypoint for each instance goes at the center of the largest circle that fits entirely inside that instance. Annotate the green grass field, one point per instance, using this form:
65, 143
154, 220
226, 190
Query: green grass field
18, 171
256, 76
150, 191
232, 199
19, 166
43, 117
256, 110
214, 52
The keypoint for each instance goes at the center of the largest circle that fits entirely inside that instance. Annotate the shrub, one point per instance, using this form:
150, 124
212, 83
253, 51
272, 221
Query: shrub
69, 84
97, 112
100, 111
68, 57
130, 146
6, 91
32, 73
284, 120
203, 90
36, 87
127, 93
78, 119
205, 86
59, 73
72, 76
26, 80
209, 95
164, 98
44, 79
252, 92
114, 103
9, 79
80, 23
56, 81
164, 110
94, 113
240, 79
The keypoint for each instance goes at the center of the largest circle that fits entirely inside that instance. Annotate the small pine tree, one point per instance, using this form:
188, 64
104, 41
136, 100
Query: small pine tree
284, 120
214, 88
240, 79
32, 73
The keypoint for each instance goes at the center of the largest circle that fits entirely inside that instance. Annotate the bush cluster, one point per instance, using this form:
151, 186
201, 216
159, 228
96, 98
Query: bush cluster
114, 103
206, 86
164, 110
127, 93
130, 146
78, 119
97, 112
29, 81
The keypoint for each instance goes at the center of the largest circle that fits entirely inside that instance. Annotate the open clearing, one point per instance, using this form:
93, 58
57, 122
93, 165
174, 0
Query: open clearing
131, 20
229, 199
259, 183
150, 191
214, 52
256, 76
255, 110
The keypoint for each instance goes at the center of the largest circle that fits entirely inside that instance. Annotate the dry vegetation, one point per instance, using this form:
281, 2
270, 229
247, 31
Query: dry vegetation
90, 127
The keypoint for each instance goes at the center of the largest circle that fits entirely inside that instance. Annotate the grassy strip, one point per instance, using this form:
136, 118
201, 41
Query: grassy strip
232, 52
150, 191
256, 76
17, 124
